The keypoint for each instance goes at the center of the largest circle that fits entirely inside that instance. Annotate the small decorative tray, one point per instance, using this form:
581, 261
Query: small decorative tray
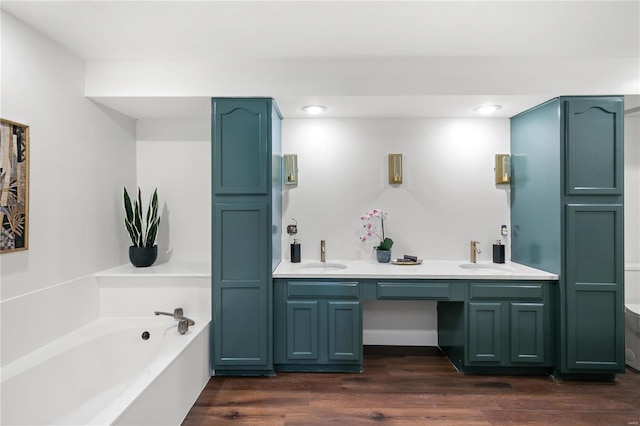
407, 262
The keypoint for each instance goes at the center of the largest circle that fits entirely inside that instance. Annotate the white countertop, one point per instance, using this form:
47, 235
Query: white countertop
428, 269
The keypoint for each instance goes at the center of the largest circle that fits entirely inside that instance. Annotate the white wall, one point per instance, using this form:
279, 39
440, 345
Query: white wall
632, 207
175, 157
81, 156
448, 198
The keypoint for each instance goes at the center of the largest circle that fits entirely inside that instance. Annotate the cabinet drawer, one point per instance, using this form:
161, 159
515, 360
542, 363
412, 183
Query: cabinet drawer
506, 291
402, 290
340, 290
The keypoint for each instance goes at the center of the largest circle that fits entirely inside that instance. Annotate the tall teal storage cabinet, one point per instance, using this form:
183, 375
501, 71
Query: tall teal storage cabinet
246, 232
567, 218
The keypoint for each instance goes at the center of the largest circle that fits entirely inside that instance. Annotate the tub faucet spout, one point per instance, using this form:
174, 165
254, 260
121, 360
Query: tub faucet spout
178, 315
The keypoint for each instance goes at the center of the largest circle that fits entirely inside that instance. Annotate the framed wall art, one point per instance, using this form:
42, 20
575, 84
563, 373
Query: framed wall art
14, 186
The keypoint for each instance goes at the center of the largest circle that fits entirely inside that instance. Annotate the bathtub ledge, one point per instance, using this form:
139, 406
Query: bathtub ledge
162, 270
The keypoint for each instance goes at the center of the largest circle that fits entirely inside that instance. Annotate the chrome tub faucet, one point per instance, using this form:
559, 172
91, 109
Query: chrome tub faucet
323, 251
178, 315
475, 250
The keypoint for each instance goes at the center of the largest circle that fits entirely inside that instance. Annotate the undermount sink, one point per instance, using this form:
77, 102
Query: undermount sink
323, 266
487, 267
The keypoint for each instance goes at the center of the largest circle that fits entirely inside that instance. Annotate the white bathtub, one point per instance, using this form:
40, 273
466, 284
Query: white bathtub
105, 373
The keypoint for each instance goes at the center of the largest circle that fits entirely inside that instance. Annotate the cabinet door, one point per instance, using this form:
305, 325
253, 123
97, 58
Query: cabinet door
594, 142
485, 328
594, 287
241, 286
527, 332
240, 327
240, 130
302, 330
345, 331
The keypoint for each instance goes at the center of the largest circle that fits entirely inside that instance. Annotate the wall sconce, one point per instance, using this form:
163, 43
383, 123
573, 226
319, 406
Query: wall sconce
503, 168
290, 169
395, 169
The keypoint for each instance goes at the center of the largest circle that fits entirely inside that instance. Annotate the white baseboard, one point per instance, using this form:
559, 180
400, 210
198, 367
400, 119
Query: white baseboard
632, 266
400, 337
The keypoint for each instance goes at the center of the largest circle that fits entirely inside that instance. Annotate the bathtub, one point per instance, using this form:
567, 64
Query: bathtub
105, 373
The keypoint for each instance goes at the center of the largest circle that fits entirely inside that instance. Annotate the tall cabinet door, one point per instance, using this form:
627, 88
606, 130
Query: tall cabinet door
594, 287
241, 315
594, 145
240, 152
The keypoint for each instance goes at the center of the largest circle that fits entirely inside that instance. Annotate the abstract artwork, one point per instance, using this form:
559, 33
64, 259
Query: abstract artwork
14, 186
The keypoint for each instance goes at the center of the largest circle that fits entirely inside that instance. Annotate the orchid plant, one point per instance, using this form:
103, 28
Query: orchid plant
371, 229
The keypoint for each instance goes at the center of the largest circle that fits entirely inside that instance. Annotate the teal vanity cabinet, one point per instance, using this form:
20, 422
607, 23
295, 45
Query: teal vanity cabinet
567, 218
246, 233
503, 327
317, 325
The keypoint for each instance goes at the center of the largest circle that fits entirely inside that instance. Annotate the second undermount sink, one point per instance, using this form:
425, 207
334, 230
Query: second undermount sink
322, 266
487, 267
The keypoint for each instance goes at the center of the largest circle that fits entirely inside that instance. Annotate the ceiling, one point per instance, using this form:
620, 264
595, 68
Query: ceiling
360, 58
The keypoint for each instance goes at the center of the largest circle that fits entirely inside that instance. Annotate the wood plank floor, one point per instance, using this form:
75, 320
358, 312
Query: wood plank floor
415, 386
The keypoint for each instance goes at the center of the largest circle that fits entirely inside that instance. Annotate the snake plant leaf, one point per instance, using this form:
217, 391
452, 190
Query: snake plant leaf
133, 233
139, 203
152, 211
127, 206
151, 233
137, 222
142, 233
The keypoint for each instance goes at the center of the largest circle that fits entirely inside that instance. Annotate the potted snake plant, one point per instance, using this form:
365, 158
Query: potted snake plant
142, 231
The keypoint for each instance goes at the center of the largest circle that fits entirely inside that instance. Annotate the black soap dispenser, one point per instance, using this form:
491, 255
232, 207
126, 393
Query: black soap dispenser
498, 252
295, 247
295, 252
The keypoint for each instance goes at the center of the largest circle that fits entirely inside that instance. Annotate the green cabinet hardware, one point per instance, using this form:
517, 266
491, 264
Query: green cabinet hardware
567, 218
246, 214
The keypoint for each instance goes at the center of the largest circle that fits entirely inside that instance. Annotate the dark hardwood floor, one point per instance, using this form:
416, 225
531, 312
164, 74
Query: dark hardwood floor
415, 386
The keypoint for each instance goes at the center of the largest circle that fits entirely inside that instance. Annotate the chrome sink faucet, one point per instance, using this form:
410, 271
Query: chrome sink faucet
323, 251
178, 315
475, 250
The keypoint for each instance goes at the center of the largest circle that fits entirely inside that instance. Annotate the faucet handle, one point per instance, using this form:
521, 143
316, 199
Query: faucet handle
178, 312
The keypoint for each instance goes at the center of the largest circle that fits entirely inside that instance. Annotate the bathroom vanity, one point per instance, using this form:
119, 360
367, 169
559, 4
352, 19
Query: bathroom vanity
491, 318
567, 218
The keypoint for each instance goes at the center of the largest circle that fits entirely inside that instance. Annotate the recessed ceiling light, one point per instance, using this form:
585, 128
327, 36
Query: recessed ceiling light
487, 109
314, 109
